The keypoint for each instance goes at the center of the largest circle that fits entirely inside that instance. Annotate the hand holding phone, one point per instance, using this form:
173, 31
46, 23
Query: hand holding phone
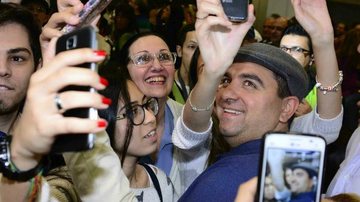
291, 167
91, 9
236, 10
81, 38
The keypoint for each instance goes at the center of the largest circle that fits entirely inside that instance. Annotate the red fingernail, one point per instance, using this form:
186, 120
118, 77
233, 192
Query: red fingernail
102, 124
100, 53
103, 81
106, 101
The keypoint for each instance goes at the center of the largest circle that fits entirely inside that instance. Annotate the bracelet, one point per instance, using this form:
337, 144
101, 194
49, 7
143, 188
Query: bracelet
196, 109
332, 88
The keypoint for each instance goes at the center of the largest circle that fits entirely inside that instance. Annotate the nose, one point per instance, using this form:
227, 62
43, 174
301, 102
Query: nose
5, 70
156, 64
229, 94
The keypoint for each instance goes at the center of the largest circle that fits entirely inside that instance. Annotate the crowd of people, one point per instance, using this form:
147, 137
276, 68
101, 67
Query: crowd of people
184, 97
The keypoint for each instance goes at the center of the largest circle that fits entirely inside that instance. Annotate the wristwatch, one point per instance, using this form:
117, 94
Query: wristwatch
10, 171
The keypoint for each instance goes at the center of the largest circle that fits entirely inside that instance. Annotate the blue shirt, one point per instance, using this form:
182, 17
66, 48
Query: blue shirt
165, 155
304, 197
220, 181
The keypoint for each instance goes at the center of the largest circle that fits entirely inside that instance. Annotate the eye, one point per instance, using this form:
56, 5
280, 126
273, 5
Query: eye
165, 57
192, 46
224, 82
248, 83
17, 59
143, 59
297, 49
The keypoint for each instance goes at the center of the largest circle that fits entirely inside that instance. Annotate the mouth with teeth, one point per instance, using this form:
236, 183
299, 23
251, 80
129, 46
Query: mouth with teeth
232, 111
156, 80
152, 134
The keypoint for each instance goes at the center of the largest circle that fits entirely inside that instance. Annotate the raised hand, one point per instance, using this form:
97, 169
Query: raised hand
41, 119
219, 39
52, 30
314, 17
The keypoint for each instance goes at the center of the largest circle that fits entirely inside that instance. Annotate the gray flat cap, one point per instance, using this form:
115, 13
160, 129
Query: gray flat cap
278, 62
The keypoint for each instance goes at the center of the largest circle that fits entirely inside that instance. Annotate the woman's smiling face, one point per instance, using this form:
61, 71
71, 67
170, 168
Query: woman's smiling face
154, 79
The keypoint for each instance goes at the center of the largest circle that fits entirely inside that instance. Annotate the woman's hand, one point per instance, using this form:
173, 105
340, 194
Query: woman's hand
41, 119
314, 17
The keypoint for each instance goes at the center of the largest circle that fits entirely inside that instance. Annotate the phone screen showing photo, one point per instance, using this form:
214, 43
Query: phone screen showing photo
292, 169
300, 175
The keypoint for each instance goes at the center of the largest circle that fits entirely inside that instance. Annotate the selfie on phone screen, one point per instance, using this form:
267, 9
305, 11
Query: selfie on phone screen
292, 168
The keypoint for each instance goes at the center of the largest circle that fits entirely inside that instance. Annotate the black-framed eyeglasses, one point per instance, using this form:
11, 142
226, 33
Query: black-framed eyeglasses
136, 112
295, 50
165, 57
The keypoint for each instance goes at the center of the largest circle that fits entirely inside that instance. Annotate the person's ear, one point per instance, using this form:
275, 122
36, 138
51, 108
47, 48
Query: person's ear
358, 48
289, 106
178, 51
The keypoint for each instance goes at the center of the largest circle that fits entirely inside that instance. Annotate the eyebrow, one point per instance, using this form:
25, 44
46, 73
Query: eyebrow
18, 50
252, 77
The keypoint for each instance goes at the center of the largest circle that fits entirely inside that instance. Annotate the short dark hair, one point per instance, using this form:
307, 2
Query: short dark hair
193, 73
181, 37
297, 29
283, 89
42, 3
13, 13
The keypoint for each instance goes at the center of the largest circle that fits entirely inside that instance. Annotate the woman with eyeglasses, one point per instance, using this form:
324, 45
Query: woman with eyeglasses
132, 133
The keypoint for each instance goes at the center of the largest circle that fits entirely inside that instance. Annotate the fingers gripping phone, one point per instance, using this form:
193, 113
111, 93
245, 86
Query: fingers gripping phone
291, 167
91, 9
81, 38
236, 10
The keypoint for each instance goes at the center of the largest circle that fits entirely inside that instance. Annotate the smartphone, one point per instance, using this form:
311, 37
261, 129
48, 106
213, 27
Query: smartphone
91, 9
291, 167
84, 37
236, 10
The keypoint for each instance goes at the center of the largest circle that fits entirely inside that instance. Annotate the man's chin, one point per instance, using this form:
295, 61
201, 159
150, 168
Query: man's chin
8, 109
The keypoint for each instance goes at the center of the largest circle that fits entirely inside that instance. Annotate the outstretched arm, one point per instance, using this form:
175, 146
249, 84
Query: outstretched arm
314, 17
219, 40
41, 121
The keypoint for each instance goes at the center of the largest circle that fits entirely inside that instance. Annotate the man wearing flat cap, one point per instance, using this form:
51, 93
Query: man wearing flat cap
302, 181
251, 90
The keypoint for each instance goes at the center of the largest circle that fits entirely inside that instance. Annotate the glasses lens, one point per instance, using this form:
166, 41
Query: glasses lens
152, 105
166, 58
142, 58
138, 114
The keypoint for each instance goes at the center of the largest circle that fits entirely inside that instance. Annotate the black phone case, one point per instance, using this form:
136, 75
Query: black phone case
82, 38
236, 10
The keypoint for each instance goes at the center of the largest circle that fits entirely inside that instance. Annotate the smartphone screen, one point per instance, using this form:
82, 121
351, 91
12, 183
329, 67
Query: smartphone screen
91, 9
236, 10
291, 168
81, 38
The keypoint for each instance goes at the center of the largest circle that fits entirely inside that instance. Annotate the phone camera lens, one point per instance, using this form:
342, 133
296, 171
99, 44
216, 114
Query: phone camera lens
71, 43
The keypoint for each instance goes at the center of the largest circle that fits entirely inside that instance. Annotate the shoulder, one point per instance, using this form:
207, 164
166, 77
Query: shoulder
175, 107
166, 186
224, 176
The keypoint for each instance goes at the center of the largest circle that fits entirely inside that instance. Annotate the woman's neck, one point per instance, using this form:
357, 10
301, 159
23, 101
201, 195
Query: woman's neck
184, 75
134, 172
